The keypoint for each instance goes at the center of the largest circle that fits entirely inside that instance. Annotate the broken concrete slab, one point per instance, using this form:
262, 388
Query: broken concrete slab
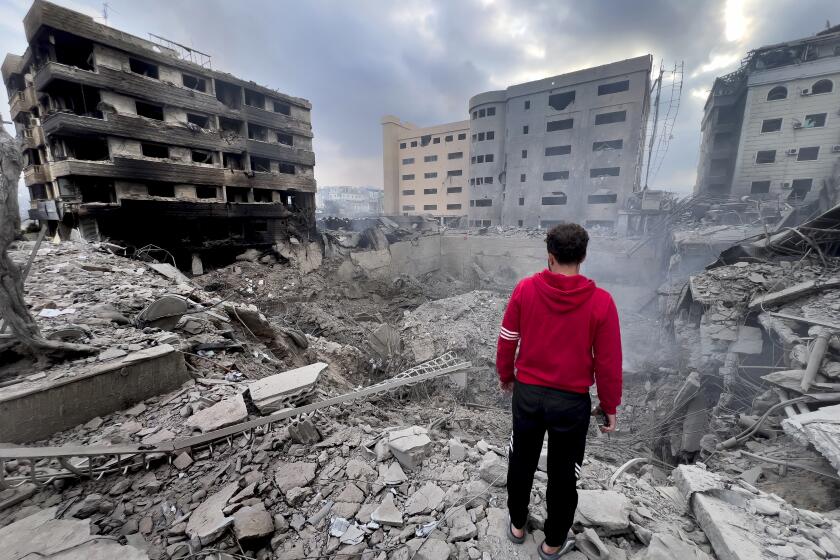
428, 498
163, 313
750, 341
387, 512
394, 475
457, 450
820, 428
667, 547
13, 496
605, 509
224, 413
278, 391
385, 340
410, 446
169, 271
294, 475
691, 479
727, 529
461, 526
493, 469
252, 522
207, 522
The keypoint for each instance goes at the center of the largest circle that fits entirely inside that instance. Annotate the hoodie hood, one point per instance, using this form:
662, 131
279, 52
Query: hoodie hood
564, 293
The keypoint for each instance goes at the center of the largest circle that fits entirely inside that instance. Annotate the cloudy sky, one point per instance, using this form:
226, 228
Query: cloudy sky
422, 60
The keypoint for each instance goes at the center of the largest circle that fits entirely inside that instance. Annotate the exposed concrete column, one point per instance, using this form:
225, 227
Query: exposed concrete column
815, 357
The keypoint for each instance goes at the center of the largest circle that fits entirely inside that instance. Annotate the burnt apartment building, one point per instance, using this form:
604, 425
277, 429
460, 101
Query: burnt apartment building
142, 142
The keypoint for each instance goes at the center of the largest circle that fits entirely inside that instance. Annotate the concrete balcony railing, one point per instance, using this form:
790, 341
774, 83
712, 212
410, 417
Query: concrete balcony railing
22, 101
34, 175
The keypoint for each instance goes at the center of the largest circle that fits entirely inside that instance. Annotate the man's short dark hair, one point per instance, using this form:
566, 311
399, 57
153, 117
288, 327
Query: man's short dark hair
567, 243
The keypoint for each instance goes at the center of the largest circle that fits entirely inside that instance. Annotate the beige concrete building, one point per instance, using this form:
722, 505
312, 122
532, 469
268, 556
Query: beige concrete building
426, 170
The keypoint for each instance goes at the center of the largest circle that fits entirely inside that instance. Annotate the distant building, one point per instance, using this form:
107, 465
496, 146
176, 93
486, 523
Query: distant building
426, 170
562, 149
349, 202
772, 129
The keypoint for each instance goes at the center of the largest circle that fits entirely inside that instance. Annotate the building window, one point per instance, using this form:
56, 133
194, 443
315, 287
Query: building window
604, 172
429, 191
479, 159
558, 150
430, 175
481, 113
822, 86
408, 161
519, 223
522, 178
524, 154
521, 201
448, 138
160, 189
607, 145
414, 143
282, 108
609, 118
525, 129
427, 159
462, 136
194, 82
285, 139
206, 192
475, 114
488, 158
145, 68
491, 111
491, 134
409, 177
453, 206
555, 175
488, 180
615, 87
472, 181
760, 187
436, 140
816, 120
425, 140
455, 155
149, 111
610, 198
800, 187
771, 125
554, 200
808, 154
452, 190
156, 151
527, 105
722, 140
765, 156
254, 99
560, 101
408, 192
201, 121
454, 173
484, 202
479, 180
408, 208
472, 203
402, 145
472, 160
481, 137
777, 93
286, 168
564, 124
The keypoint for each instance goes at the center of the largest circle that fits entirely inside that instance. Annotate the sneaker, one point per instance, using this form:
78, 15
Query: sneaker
513, 538
563, 550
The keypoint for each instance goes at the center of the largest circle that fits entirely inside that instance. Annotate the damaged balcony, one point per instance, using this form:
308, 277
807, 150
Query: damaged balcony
23, 100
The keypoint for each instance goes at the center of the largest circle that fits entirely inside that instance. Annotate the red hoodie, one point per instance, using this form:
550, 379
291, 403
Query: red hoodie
568, 336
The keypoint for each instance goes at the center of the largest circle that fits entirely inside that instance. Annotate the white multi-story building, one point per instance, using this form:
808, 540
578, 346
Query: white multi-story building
349, 202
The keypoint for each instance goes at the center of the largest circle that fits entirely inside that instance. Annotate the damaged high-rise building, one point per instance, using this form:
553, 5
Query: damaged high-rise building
142, 142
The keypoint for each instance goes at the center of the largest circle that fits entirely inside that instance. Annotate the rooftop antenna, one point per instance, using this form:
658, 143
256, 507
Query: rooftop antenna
105, 7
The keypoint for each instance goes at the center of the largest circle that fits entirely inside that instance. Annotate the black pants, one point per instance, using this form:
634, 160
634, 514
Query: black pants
566, 417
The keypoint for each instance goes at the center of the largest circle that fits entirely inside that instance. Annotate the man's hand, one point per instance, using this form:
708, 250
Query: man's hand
611, 421
506, 386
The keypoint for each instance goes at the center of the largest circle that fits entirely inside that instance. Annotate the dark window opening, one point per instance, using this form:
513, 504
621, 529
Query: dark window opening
149, 111
816, 120
408, 207
229, 94
727, 115
38, 192
257, 132
607, 145
98, 192
282, 108
491, 134
285, 139
143, 68
425, 140
202, 156
414, 143
436, 140
822, 86
427, 159
201, 121
778, 92
409, 177
448, 139
254, 99
231, 126
236, 194
287, 168
554, 200
522, 178
560, 101
408, 192
808, 154
484, 202
260, 165
261, 225
481, 137
455, 155
64, 97
262, 195
488, 158
163, 190
555, 175
429, 191
800, 187
604, 172
521, 201
760, 187
232, 161
481, 113
453, 206
194, 82
771, 125
565, 124
202, 191
72, 50
31, 157
524, 154
602, 198
615, 87
519, 223
462, 136
408, 161
92, 149
402, 145
158, 151
430, 207
525, 129
451, 190
491, 111
558, 150
765, 156
430, 175
488, 180
454, 173
609, 118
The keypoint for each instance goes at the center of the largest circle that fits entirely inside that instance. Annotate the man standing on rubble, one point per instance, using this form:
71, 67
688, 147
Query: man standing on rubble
568, 336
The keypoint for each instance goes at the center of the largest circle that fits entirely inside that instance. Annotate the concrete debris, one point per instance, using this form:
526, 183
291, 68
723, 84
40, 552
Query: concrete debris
286, 389
252, 522
293, 475
394, 475
229, 411
425, 500
387, 512
667, 547
604, 509
820, 428
493, 469
410, 446
208, 521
